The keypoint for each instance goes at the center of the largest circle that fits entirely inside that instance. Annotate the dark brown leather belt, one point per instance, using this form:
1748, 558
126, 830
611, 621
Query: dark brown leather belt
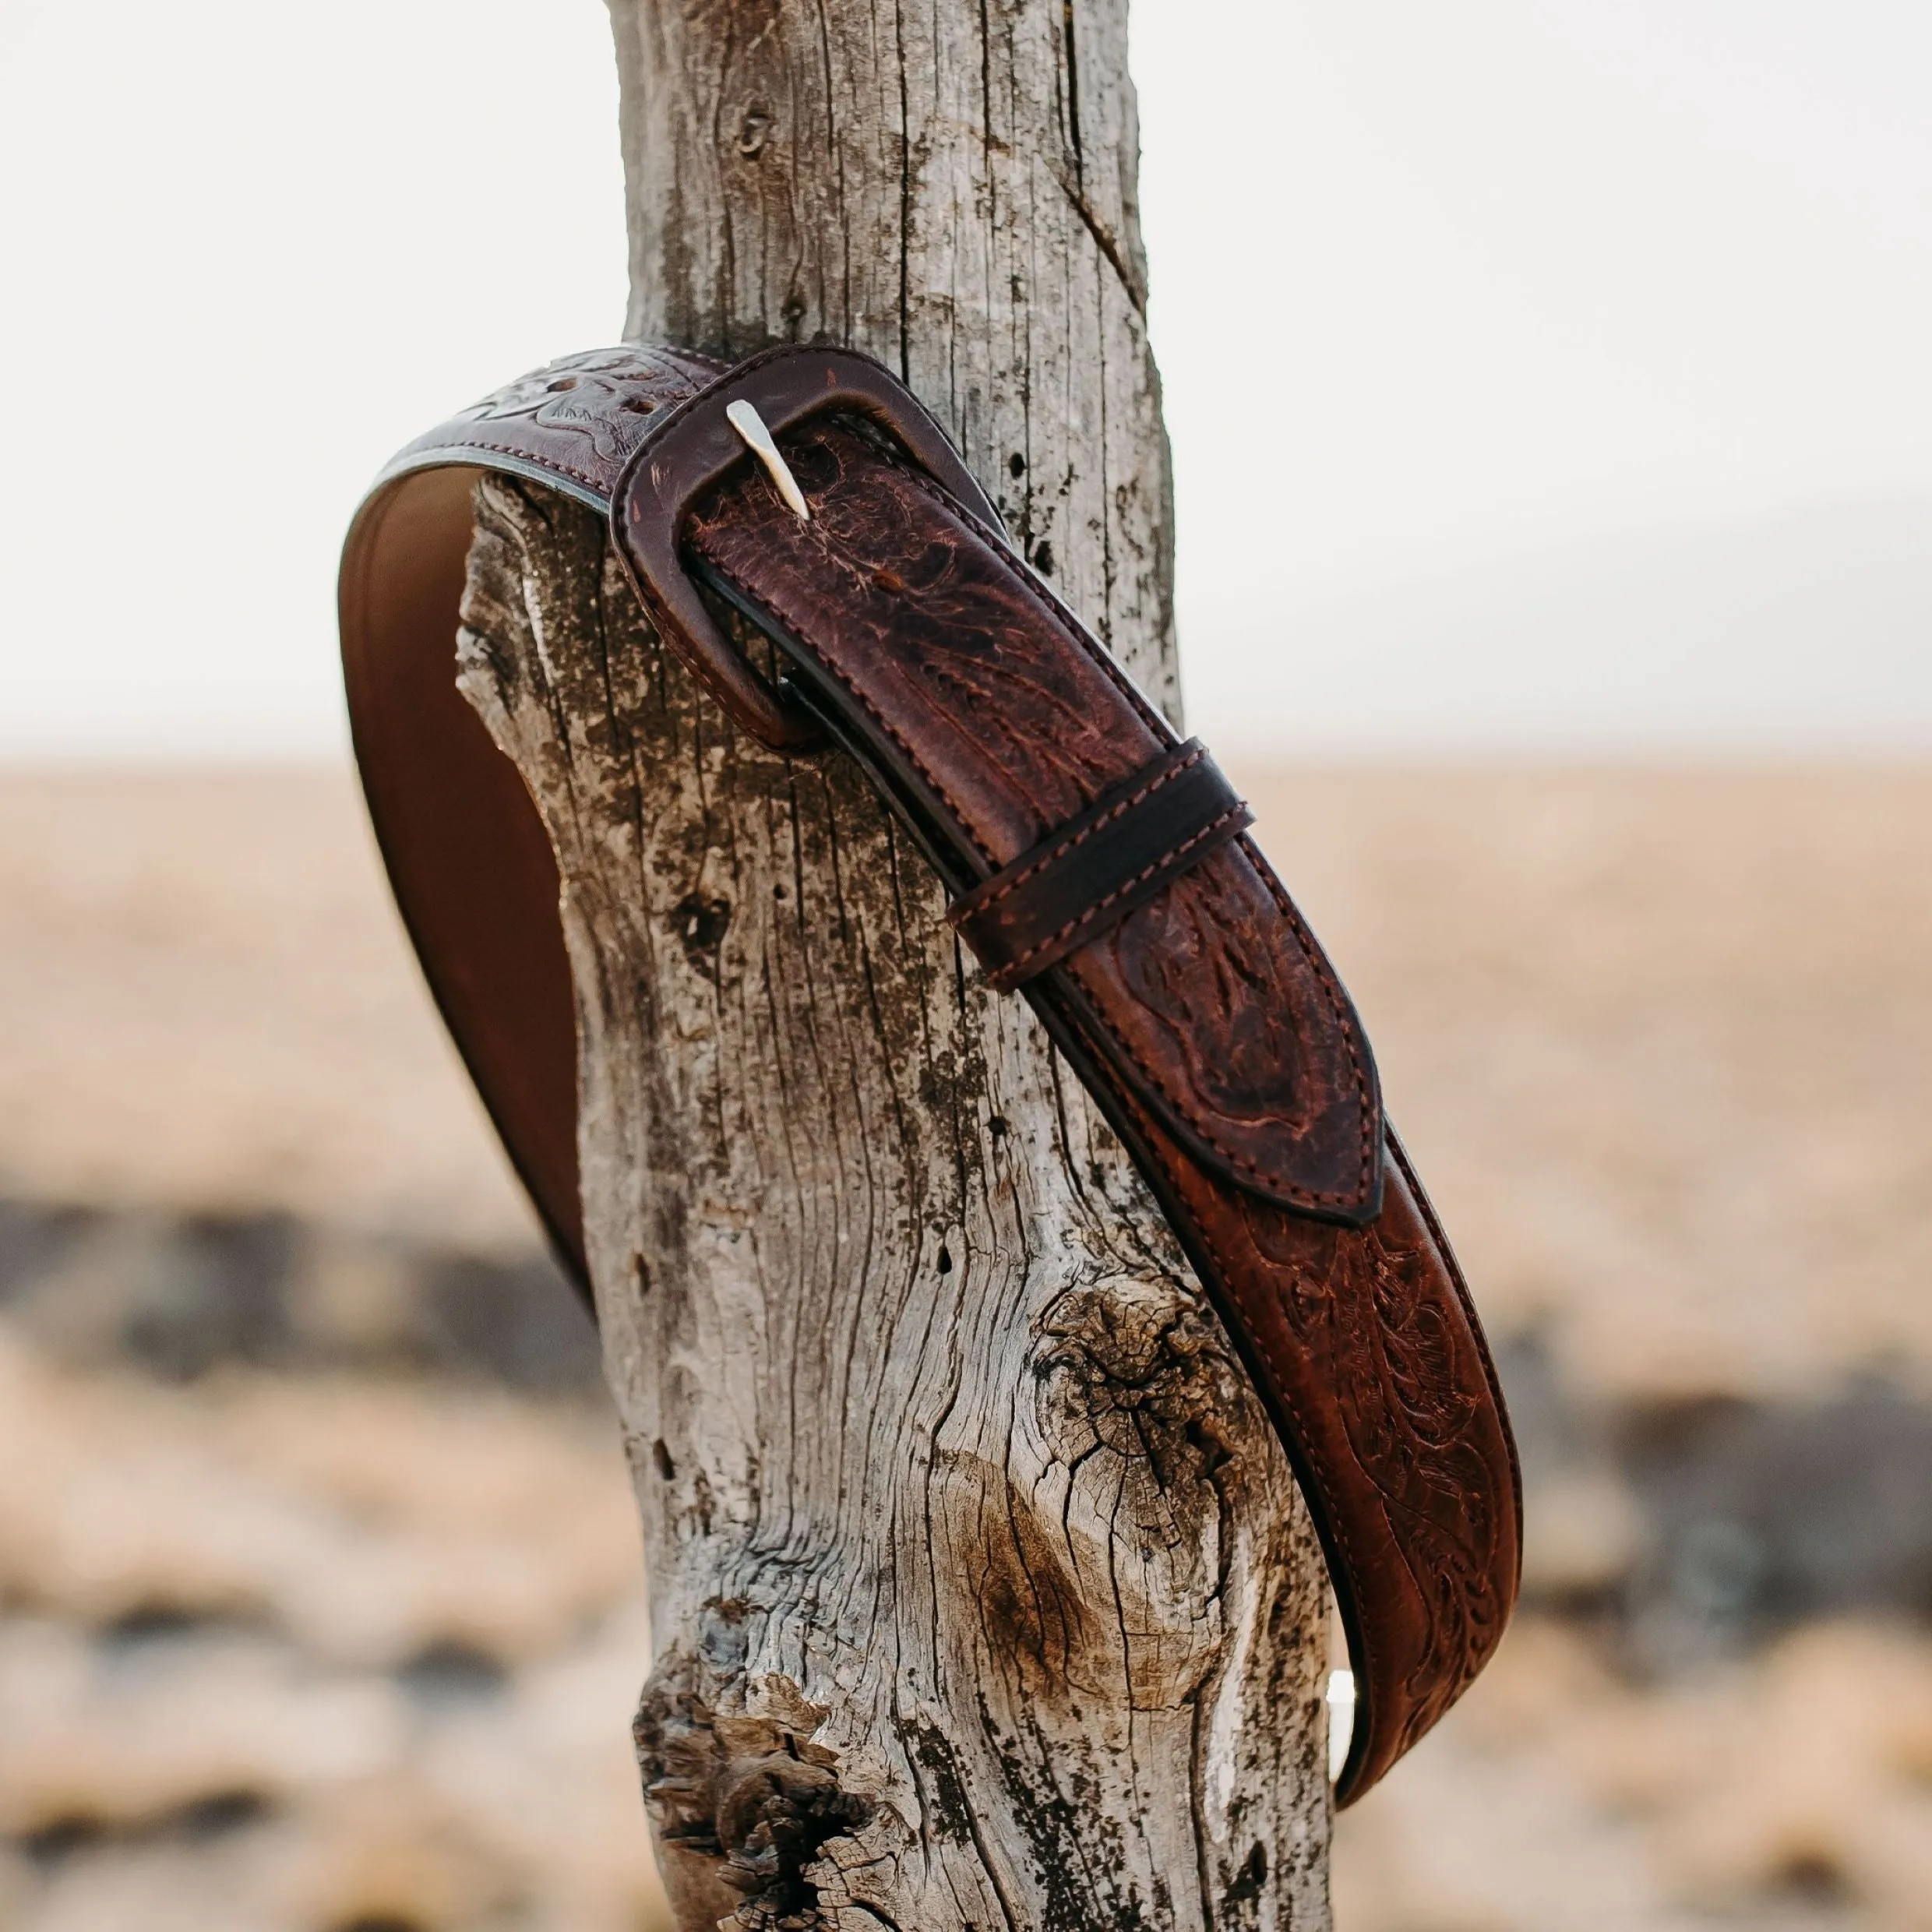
1099, 867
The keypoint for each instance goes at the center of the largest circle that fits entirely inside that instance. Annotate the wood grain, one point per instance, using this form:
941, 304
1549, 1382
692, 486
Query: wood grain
981, 1594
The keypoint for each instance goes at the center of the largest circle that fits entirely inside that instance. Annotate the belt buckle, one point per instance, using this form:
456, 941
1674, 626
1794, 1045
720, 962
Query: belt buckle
699, 443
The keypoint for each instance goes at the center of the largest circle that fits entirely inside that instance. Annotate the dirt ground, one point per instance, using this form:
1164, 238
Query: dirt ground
318, 1603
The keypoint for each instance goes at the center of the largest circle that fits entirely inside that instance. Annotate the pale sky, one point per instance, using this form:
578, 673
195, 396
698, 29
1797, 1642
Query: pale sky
1543, 374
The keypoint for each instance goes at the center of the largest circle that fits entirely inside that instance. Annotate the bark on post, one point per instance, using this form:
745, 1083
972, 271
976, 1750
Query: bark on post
982, 1593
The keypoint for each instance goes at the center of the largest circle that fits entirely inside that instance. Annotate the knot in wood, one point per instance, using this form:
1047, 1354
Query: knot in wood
743, 1805
1139, 1370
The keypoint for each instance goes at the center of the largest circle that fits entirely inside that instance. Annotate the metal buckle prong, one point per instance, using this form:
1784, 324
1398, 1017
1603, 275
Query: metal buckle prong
692, 448
757, 439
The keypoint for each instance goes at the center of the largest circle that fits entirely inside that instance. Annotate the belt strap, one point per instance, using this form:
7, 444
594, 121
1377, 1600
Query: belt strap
1098, 866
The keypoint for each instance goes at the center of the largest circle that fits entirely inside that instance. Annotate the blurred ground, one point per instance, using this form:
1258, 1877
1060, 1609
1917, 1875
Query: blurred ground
318, 1605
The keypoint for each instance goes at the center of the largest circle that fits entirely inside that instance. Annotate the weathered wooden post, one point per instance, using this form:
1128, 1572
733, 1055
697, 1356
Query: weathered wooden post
982, 1595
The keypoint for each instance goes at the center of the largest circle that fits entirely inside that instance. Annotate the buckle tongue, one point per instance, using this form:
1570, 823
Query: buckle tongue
757, 439
697, 445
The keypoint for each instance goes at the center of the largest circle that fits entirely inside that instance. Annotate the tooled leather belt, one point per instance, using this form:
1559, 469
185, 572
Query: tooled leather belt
1100, 869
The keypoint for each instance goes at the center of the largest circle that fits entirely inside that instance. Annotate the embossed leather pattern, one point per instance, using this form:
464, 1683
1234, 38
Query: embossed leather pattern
1001, 719
1206, 1020
572, 424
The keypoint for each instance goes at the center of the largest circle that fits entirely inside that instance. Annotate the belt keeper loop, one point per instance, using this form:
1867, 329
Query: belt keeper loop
1089, 874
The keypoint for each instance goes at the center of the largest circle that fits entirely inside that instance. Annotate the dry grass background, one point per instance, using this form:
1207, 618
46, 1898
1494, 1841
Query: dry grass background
319, 1608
